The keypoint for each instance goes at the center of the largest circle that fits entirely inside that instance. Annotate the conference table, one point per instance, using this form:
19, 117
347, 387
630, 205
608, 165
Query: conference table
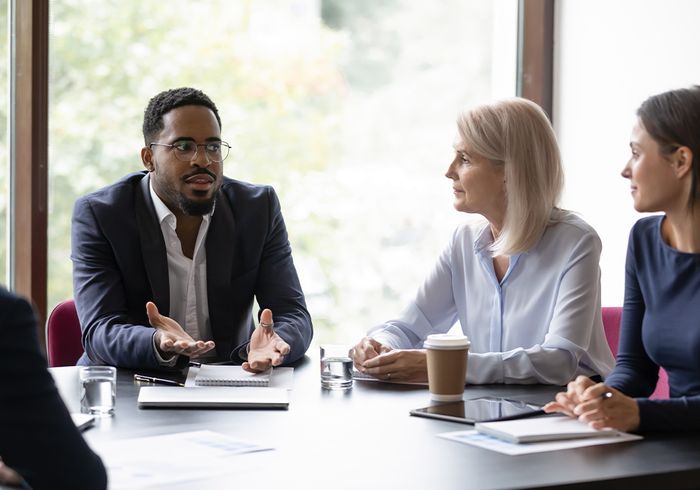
365, 438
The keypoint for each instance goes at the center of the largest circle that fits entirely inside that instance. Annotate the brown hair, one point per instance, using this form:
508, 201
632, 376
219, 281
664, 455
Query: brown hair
672, 119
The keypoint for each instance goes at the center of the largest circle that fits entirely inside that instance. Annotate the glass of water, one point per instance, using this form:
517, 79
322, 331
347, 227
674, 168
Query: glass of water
336, 367
98, 389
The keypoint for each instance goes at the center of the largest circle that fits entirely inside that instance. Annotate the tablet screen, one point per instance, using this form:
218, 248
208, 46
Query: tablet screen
479, 410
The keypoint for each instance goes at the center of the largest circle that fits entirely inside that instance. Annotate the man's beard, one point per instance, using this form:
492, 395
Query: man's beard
195, 208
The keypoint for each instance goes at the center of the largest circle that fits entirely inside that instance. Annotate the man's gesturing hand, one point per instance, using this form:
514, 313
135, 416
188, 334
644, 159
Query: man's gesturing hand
171, 338
266, 347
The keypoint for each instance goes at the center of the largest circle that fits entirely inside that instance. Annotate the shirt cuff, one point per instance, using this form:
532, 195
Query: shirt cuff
169, 362
386, 338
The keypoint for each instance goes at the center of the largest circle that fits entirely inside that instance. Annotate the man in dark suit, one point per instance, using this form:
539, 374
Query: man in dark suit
38, 440
167, 262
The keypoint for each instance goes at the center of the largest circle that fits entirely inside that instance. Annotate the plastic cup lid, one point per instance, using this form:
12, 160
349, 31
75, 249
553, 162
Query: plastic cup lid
446, 341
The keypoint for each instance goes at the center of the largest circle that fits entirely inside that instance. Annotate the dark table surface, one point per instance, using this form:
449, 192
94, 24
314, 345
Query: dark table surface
365, 438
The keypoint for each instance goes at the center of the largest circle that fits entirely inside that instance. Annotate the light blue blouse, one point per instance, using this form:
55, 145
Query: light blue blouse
541, 324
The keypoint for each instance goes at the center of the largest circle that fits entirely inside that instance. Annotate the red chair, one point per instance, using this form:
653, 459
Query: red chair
63, 337
611, 324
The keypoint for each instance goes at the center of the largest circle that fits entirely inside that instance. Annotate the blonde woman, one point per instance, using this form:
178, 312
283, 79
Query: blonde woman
524, 285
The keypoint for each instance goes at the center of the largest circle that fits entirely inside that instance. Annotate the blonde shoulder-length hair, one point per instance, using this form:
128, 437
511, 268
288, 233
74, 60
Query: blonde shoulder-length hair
516, 133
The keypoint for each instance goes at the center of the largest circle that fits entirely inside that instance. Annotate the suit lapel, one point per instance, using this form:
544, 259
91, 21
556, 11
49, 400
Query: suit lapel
155, 257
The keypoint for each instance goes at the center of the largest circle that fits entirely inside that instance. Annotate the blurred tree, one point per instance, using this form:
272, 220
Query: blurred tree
346, 107
107, 62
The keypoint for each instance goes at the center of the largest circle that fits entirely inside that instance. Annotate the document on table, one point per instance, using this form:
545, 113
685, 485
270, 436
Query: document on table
173, 458
474, 438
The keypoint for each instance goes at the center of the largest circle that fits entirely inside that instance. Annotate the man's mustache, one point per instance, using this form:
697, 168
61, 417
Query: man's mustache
200, 172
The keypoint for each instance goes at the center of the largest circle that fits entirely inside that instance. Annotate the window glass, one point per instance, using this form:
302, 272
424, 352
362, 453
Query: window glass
347, 108
601, 80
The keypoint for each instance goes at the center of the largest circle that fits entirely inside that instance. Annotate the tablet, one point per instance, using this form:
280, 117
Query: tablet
479, 410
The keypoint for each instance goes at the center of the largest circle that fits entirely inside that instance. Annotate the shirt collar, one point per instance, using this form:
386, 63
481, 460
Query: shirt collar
483, 240
163, 213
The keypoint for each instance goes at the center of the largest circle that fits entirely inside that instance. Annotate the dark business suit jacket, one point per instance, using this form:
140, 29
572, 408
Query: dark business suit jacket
120, 263
37, 436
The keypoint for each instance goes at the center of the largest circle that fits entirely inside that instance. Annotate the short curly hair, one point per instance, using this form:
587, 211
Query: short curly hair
168, 100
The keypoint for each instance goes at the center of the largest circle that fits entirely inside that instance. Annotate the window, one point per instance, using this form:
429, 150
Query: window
600, 81
347, 108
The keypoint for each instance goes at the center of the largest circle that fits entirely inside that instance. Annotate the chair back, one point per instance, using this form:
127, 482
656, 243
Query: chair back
611, 325
63, 337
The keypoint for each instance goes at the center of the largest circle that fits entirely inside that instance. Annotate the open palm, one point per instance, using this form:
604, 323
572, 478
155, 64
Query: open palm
266, 347
171, 338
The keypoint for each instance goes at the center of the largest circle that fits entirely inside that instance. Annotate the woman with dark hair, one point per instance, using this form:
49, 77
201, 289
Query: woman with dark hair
661, 315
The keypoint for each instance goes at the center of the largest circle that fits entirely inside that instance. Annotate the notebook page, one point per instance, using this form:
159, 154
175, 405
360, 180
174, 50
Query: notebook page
212, 375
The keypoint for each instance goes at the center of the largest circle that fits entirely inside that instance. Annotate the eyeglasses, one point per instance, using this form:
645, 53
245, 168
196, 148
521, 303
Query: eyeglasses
186, 151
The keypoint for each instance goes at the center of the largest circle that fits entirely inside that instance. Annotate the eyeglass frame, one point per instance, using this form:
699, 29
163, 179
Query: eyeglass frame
172, 146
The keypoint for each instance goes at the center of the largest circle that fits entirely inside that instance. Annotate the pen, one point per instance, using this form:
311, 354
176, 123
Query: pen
151, 379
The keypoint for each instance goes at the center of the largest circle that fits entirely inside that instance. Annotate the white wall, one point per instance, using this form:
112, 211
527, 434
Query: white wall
609, 55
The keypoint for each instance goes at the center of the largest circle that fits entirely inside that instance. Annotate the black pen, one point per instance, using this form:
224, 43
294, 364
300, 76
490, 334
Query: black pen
151, 379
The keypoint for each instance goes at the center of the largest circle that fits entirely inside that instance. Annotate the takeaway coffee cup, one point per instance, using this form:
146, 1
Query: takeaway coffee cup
447, 366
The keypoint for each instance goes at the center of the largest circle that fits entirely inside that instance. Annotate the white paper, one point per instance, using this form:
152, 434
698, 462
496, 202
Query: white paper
282, 377
82, 420
472, 437
161, 460
68, 384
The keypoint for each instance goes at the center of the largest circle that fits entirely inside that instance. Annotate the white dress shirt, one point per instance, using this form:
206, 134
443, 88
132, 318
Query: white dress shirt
541, 324
187, 278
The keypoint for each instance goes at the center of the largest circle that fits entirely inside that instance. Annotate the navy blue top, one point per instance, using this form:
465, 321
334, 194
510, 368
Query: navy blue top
37, 436
660, 326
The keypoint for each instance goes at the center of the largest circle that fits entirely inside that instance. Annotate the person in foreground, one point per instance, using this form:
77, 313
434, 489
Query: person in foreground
40, 446
660, 324
524, 285
167, 262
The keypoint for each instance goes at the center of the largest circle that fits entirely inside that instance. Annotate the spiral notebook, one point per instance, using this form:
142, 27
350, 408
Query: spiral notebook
211, 375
